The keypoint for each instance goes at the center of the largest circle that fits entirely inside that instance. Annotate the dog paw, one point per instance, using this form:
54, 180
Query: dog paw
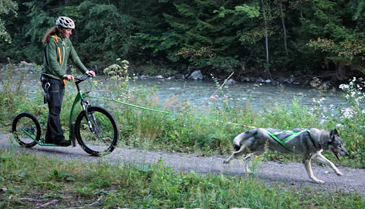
319, 181
339, 173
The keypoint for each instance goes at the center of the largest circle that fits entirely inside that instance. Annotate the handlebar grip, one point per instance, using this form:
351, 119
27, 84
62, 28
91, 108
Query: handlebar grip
83, 78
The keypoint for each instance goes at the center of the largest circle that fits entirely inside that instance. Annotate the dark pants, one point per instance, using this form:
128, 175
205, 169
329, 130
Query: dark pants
56, 91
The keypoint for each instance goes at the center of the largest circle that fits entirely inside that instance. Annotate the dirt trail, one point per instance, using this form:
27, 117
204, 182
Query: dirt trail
287, 175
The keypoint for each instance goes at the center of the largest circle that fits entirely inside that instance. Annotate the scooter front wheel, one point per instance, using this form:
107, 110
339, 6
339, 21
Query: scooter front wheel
97, 131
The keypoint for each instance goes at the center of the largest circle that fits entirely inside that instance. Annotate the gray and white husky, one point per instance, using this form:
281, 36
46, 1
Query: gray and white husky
306, 142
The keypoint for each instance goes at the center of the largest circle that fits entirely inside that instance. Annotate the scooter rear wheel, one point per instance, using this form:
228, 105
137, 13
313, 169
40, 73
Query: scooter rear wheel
26, 129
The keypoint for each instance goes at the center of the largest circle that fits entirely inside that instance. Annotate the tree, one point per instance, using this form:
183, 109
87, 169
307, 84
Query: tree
198, 36
6, 7
301, 37
340, 35
104, 29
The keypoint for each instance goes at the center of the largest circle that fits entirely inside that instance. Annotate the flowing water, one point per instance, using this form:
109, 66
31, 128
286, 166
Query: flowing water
202, 92
199, 92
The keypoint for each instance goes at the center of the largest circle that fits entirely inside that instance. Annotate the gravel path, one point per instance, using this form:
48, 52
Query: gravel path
287, 175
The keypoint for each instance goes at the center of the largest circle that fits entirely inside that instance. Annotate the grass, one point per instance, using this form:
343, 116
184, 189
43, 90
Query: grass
181, 131
74, 184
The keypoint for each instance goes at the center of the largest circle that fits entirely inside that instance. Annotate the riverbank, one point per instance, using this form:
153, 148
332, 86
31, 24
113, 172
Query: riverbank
185, 128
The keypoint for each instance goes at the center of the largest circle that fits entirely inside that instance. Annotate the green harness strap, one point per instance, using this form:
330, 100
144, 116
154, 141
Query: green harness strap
282, 142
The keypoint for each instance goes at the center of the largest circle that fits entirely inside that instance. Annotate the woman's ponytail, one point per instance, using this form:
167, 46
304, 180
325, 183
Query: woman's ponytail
50, 32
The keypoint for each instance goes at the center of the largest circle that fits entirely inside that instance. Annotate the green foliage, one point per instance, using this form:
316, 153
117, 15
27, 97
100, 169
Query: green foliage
39, 21
104, 185
13, 94
104, 28
6, 7
217, 63
117, 71
184, 127
352, 116
155, 69
204, 39
348, 52
299, 37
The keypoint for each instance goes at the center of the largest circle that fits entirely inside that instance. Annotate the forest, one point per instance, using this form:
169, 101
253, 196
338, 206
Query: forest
266, 38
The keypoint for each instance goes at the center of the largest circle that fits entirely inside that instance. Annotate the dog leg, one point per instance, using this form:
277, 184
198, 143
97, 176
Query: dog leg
247, 159
322, 159
240, 151
308, 167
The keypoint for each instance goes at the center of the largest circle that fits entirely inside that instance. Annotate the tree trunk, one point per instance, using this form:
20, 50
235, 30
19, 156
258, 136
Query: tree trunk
284, 28
267, 67
341, 74
266, 33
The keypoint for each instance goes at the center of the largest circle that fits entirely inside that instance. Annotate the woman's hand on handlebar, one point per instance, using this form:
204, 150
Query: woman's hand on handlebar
69, 77
90, 72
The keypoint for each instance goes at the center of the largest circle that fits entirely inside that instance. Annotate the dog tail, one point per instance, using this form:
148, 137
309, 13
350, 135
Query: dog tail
243, 137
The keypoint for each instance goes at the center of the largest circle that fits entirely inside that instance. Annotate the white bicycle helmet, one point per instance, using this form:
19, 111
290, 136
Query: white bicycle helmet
65, 22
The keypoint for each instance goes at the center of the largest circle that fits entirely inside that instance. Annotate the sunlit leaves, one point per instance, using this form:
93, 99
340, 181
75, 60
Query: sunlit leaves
6, 6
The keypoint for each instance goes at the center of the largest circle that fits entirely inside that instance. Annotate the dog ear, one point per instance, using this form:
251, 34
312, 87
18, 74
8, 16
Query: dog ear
336, 133
333, 134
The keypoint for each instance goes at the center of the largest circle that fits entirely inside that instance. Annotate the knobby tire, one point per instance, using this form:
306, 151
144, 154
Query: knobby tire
104, 139
26, 122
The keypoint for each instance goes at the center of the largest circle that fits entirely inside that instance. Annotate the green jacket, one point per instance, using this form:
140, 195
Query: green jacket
52, 67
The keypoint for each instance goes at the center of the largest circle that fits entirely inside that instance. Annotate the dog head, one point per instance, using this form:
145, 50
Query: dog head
336, 145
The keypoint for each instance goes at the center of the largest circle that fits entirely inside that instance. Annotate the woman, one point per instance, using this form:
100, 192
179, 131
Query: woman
57, 50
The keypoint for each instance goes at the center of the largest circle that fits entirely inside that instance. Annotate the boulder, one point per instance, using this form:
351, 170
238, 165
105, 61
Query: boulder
196, 75
231, 81
245, 79
260, 80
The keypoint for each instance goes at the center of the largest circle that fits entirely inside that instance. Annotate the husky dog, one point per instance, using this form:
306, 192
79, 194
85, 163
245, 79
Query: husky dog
306, 142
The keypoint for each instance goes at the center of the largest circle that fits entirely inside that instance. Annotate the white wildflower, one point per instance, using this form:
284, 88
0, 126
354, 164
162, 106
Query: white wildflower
344, 86
348, 113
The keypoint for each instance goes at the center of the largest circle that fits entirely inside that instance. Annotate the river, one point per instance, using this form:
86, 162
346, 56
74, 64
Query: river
200, 92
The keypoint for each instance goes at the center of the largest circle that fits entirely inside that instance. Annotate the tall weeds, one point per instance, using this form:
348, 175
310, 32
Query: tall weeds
189, 129
12, 93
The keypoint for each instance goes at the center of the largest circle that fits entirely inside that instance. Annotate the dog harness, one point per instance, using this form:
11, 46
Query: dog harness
282, 142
